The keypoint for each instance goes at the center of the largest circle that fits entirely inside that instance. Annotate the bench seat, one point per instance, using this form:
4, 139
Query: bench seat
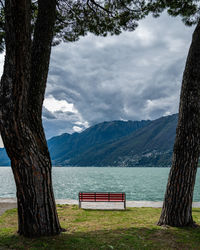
102, 197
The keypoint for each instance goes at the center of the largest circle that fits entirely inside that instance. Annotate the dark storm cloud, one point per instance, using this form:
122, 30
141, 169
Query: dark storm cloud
47, 114
133, 76
56, 127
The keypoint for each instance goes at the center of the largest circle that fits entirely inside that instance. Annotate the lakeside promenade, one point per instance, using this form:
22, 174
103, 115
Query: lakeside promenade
8, 203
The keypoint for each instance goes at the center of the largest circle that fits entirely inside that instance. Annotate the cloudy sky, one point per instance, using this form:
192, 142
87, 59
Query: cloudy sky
134, 76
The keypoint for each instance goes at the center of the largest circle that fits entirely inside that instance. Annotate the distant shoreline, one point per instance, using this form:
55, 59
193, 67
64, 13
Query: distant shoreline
141, 203
102, 167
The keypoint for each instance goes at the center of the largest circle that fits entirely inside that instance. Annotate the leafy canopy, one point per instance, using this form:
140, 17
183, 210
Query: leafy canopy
188, 10
76, 18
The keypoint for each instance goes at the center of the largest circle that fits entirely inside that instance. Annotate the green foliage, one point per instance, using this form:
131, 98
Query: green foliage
34, 11
76, 18
188, 10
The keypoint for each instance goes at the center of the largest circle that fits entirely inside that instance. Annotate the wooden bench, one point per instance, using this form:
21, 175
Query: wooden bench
102, 197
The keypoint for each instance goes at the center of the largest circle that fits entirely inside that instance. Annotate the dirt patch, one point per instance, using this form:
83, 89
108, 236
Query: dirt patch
5, 206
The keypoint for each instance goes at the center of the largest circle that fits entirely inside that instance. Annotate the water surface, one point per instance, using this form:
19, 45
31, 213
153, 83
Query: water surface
138, 183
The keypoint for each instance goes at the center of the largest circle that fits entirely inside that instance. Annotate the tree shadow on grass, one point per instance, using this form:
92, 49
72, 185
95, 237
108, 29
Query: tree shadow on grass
108, 229
121, 238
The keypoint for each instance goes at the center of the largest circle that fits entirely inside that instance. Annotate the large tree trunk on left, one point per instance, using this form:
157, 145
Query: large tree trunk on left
21, 96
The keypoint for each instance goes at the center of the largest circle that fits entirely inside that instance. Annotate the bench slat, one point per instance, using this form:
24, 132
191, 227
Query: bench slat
100, 196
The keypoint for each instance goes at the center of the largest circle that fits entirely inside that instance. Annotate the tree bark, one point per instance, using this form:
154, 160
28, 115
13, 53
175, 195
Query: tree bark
21, 96
177, 206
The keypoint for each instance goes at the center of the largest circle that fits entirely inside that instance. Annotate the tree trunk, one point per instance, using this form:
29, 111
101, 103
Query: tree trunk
20, 123
177, 207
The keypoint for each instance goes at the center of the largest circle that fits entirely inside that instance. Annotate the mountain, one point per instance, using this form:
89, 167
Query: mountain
4, 160
151, 145
65, 147
115, 143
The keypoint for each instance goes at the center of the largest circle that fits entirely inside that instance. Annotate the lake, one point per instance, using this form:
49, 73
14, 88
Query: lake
138, 183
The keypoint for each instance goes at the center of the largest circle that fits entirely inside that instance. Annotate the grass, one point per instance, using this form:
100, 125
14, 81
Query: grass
134, 228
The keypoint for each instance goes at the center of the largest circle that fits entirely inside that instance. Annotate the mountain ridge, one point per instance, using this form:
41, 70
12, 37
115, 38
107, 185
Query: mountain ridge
114, 143
100, 133
148, 146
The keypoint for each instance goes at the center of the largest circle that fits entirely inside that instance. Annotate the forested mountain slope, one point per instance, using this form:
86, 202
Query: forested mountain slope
65, 147
115, 143
151, 145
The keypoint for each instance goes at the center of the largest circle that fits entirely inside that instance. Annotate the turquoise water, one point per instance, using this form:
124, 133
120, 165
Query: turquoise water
138, 183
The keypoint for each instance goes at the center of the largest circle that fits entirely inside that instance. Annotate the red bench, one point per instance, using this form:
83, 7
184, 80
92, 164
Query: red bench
102, 197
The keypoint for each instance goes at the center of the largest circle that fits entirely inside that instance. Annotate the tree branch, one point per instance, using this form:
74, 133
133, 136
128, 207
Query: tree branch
2, 4
99, 6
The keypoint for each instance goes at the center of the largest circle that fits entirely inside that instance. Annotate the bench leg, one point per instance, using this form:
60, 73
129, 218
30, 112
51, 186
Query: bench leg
79, 204
124, 205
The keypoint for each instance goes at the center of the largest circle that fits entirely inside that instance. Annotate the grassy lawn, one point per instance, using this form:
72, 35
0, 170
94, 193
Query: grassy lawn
134, 228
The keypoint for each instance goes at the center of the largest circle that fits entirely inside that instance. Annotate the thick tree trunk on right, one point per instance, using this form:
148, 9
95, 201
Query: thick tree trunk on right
177, 207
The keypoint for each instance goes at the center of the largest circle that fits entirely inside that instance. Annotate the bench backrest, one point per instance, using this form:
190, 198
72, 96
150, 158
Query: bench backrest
100, 196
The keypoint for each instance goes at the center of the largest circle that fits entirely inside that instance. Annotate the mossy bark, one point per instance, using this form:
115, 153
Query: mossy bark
177, 207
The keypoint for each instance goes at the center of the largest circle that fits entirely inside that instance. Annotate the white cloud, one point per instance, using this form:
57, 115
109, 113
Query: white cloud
1, 142
82, 123
54, 105
2, 56
60, 116
145, 35
77, 129
167, 113
1, 72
